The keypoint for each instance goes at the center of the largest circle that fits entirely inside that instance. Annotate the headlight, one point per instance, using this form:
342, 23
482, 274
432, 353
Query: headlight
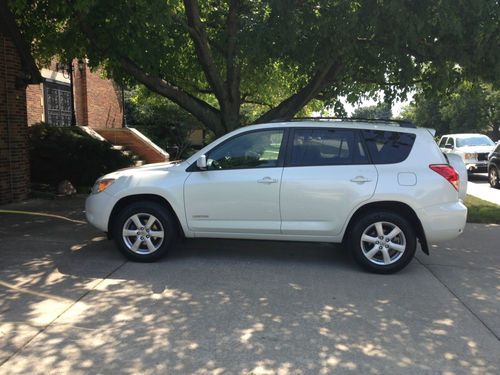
469, 156
102, 185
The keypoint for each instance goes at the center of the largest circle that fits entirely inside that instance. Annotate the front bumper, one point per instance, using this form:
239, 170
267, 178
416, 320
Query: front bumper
443, 222
479, 167
98, 209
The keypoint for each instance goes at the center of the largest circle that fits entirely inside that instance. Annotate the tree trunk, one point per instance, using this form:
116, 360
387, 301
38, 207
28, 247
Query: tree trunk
495, 134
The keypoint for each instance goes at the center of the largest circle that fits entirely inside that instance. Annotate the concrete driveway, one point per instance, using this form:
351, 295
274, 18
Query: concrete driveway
479, 187
69, 303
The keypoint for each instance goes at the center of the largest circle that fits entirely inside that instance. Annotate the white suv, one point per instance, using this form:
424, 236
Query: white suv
373, 186
474, 149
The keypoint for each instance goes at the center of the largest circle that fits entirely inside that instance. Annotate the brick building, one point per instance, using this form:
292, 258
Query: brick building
98, 108
97, 100
17, 70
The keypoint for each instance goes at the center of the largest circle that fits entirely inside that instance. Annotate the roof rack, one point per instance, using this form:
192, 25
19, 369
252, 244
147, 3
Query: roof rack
401, 123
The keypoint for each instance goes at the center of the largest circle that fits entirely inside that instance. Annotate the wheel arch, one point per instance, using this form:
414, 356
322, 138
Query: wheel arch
392, 206
125, 201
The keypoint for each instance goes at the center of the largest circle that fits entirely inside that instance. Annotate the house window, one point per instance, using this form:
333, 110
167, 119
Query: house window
57, 99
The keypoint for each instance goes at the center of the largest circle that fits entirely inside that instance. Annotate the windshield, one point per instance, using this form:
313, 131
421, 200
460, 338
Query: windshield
474, 141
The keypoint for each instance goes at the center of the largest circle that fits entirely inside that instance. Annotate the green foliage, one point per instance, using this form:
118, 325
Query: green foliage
58, 154
377, 111
162, 121
239, 61
468, 107
481, 211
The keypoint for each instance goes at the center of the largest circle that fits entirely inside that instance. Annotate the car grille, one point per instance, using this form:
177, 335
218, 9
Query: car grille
482, 156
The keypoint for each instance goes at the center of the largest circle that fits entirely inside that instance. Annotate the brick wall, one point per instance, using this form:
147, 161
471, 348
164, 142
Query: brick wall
34, 103
97, 100
104, 106
14, 160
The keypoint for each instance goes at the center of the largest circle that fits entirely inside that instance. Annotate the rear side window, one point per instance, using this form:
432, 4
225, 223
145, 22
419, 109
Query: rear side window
323, 146
387, 147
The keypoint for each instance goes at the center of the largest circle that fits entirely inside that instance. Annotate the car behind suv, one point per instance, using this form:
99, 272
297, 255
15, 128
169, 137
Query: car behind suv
472, 148
373, 186
494, 168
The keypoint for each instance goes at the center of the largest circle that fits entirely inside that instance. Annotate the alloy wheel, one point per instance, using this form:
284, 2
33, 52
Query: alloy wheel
493, 177
143, 233
383, 243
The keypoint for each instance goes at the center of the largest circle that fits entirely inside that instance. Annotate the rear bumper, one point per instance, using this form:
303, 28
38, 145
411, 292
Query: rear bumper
98, 208
443, 222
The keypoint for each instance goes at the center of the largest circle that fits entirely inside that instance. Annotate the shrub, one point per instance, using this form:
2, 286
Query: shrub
58, 154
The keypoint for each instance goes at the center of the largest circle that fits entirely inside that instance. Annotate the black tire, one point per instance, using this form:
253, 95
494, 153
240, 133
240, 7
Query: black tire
165, 222
390, 219
493, 177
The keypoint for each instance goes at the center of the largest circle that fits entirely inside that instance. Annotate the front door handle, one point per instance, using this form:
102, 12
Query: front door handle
267, 180
360, 180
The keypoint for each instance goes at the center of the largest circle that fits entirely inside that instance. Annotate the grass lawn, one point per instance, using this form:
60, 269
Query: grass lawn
482, 211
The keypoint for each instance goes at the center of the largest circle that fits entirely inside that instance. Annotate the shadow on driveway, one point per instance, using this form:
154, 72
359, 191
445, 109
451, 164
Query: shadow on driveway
70, 303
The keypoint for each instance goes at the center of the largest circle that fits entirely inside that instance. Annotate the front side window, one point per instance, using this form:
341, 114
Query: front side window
443, 142
259, 149
326, 147
386, 147
451, 142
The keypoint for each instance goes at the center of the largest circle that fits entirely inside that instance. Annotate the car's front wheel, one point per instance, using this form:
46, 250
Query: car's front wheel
383, 242
493, 178
144, 231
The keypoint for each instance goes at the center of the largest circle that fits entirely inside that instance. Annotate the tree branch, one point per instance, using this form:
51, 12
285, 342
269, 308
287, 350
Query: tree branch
233, 73
204, 112
257, 102
202, 47
289, 107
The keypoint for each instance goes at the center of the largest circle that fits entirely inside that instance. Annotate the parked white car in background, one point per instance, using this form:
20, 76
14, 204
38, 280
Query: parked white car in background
376, 187
474, 149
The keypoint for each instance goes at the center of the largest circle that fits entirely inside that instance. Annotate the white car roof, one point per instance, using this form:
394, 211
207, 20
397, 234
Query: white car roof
375, 125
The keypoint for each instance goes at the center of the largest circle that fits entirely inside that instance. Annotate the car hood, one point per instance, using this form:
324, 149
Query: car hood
134, 171
470, 149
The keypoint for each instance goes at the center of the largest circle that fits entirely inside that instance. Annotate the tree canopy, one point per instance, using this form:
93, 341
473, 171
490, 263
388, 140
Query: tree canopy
377, 111
468, 107
214, 57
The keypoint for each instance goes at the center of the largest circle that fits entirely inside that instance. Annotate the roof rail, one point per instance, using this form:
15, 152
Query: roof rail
401, 123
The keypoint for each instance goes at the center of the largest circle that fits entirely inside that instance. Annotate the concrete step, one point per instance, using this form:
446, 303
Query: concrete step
130, 140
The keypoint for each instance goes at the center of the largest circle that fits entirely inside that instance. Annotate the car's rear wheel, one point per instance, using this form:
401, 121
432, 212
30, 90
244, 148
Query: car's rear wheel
144, 231
383, 242
493, 177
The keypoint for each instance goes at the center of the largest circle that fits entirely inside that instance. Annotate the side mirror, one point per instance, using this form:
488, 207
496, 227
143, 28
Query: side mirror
201, 163
448, 146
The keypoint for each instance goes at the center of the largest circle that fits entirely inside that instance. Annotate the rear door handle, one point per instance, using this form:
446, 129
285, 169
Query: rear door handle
360, 180
267, 180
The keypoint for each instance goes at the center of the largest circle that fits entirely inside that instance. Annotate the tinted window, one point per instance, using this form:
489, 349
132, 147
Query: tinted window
326, 147
388, 147
451, 142
443, 141
250, 150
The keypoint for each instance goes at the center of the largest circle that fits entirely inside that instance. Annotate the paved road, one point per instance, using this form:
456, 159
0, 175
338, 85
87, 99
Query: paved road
479, 187
69, 303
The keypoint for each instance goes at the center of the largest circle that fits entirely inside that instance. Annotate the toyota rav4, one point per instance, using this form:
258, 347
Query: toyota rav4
376, 187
